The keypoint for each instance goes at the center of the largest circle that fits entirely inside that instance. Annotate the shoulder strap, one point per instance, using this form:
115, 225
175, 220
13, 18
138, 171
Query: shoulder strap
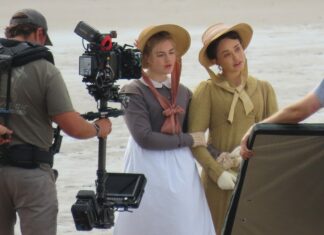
5, 67
13, 54
24, 52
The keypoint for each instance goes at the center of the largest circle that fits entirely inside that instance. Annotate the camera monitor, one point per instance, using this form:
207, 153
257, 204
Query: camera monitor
125, 190
280, 190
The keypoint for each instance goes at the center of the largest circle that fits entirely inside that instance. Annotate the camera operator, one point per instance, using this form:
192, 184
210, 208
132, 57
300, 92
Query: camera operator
38, 97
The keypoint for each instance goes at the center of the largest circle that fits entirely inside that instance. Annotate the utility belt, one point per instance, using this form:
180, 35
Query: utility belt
25, 156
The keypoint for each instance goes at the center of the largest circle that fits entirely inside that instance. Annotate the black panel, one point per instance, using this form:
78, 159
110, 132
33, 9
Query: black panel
280, 190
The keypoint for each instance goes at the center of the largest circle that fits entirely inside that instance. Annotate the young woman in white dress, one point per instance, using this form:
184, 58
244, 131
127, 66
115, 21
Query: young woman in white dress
174, 201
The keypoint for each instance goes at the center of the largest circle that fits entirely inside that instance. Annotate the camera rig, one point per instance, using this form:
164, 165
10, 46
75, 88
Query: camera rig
101, 65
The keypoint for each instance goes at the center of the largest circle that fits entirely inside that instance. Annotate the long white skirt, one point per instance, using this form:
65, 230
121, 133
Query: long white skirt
174, 201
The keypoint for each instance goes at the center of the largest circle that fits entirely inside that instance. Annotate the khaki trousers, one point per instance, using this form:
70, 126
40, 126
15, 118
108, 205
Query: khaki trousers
30, 193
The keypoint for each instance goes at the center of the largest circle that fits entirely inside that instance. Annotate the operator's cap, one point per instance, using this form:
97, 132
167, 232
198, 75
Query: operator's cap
30, 16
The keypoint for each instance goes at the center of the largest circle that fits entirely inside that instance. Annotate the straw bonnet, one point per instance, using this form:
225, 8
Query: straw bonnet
215, 31
180, 36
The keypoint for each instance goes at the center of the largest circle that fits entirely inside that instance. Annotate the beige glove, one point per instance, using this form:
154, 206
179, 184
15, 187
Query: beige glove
198, 139
236, 157
230, 160
226, 181
225, 160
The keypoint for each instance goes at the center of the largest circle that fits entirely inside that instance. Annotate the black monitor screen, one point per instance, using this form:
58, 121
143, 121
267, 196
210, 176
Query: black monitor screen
122, 185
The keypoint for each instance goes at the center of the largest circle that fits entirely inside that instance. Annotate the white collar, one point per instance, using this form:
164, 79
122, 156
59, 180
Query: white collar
156, 84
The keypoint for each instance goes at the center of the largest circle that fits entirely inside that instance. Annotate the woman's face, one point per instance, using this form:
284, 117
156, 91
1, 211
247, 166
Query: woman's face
162, 58
230, 55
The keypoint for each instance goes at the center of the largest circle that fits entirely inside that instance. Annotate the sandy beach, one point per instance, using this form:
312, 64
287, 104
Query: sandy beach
287, 49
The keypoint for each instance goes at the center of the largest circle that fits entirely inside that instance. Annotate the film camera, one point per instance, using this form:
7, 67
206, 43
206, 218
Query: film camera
101, 65
104, 61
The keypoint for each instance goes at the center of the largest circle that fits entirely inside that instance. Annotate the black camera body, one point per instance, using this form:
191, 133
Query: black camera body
105, 61
87, 213
122, 191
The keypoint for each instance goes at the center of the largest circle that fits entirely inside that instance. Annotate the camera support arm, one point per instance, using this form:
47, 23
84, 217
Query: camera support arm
103, 112
101, 172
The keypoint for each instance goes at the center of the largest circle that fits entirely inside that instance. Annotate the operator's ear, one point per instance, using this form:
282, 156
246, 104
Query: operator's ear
40, 36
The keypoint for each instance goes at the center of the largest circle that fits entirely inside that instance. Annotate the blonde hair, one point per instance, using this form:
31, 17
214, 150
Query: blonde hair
151, 42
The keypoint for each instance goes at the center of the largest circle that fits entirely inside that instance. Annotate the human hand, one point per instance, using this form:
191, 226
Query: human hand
5, 134
104, 127
244, 151
226, 181
198, 139
230, 160
236, 156
225, 160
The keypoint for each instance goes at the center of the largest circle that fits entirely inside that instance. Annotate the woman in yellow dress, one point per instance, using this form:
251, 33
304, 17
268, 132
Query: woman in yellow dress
226, 105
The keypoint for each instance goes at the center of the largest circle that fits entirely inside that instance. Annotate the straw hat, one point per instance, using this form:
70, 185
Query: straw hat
180, 35
215, 31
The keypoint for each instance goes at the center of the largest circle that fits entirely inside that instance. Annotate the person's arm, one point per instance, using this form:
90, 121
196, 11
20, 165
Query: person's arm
61, 111
293, 113
76, 126
296, 112
137, 118
199, 121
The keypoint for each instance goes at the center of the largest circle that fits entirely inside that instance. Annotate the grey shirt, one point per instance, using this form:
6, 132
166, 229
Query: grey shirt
37, 93
319, 92
144, 118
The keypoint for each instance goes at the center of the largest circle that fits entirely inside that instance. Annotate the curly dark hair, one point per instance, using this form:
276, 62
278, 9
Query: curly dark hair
21, 29
212, 48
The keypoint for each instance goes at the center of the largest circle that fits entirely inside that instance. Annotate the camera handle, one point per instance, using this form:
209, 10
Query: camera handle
103, 112
101, 172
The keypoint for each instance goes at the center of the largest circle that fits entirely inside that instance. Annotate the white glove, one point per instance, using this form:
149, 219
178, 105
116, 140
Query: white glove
226, 181
198, 139
236, 156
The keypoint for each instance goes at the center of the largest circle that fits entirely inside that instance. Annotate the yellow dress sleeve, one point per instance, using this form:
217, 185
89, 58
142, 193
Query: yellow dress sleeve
199, 121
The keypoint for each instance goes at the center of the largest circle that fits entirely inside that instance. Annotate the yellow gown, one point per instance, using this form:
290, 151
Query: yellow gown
226, 113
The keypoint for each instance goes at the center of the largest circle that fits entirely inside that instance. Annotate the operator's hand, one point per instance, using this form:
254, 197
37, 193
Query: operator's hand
5, 134
245, 152
104, 127
226, 181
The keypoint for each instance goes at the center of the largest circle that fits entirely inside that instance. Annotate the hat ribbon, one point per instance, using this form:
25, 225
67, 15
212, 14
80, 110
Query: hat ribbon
239, 93
171, 110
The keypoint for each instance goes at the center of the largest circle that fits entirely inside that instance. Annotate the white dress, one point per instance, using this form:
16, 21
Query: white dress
174, 201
